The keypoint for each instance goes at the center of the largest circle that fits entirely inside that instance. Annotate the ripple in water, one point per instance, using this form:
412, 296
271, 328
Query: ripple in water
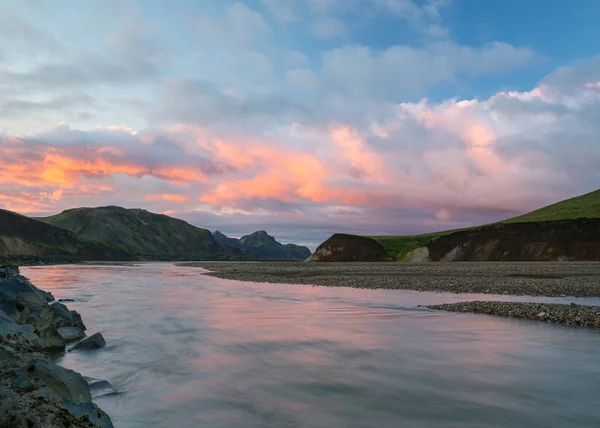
188, 350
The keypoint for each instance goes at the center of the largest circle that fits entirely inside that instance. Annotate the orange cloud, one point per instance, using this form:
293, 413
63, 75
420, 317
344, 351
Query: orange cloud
168, 197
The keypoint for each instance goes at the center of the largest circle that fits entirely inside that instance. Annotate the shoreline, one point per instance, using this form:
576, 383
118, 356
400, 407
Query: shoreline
550, 279
34, 391
555, 313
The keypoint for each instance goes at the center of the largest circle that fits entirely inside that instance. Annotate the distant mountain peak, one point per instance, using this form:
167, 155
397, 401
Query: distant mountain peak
262, 245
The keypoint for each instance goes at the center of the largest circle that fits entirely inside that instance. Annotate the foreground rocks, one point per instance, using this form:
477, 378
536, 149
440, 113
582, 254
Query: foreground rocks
518, 278
572, 314
35, 392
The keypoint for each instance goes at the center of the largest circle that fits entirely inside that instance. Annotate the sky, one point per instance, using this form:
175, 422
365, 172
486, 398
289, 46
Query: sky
300, 117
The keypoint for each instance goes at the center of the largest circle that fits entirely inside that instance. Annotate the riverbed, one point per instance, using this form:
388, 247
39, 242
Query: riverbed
188, 350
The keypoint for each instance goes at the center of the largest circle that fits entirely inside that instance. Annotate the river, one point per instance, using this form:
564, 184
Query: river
189, 350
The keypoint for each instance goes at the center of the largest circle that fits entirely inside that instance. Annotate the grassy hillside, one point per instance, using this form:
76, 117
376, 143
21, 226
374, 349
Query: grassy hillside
20, 235
142, 233
584, 206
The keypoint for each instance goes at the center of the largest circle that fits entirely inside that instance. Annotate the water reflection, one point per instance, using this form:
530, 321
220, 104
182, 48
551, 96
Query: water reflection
189, 350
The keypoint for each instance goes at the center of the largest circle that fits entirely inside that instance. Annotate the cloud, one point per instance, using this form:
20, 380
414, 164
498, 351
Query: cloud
360, 71
222, 123
447, 163
238, 24
328, 19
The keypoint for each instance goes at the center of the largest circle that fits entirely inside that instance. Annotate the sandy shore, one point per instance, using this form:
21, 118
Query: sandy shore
521, 278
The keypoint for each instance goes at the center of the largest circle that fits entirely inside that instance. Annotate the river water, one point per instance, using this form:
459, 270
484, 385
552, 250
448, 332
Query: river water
189, 350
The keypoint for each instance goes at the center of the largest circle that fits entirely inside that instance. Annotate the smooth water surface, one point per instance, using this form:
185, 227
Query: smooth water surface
189, 350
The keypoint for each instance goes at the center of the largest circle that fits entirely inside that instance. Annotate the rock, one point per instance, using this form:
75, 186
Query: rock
99, 387
30, 295
66, 300
541, 315
95, 341
59, 315
50, 339
90, 412
50, 320
18, 294
35, 392
350, 248
9, 326
9, 289
70, 334
67, 383
8, 271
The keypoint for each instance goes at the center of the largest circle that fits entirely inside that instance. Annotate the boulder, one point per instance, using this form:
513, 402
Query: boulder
31, 296
18, 294
350, 248
59, 315
95, 341
70, 334
9, 326
52, 318
99, 387
69, 384
91, 412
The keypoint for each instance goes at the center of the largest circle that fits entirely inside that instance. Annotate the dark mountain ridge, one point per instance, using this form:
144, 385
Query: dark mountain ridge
114, 233
263, 246
143, 234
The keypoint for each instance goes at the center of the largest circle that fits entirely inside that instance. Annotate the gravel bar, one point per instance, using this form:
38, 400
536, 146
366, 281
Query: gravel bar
572, 314
580, 279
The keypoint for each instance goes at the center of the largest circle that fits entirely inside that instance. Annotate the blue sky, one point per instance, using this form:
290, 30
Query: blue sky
380, 116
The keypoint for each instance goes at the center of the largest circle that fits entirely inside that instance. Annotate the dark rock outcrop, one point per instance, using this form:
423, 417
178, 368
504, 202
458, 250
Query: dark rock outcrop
26, 304
350, 248
95, 341
535, 241
35, 392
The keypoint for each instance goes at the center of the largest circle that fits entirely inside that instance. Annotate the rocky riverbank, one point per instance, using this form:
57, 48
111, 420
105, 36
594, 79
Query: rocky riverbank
515, 278
588, 316
32, 260
35, 392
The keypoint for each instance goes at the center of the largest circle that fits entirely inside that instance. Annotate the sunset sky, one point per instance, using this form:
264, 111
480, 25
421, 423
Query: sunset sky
300, 117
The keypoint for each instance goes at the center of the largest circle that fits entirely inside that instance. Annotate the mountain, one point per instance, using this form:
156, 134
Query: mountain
543, 234
143, 234
22, 236
261, 245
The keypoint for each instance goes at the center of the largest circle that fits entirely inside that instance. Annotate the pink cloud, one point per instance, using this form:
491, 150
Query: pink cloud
440, 160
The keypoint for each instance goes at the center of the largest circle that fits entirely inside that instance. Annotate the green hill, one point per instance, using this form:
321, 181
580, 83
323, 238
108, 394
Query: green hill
22, 236
584, 206
143, 234
261, 245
